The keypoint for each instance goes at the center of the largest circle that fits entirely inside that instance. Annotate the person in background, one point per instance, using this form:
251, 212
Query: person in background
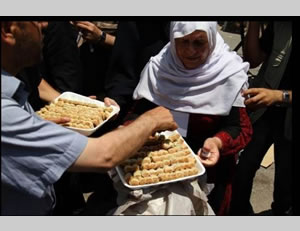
135, 42
269, 100
200, 80
95, 42
61, 66
35, 152
91, 32
95, 48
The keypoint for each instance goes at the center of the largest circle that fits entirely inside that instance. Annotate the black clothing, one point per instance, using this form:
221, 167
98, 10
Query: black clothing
94, 59
32, 78
61, 66
269, 127
135, 43
115, 72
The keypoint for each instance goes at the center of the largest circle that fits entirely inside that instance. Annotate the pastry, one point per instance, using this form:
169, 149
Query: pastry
83, 115
153, 163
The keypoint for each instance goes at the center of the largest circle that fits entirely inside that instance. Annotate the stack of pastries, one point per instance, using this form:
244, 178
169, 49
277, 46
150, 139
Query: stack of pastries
83, 115
160, 159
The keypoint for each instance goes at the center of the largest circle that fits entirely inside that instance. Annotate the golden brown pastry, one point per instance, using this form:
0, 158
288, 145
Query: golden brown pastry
83, 115
134, 181
153, 163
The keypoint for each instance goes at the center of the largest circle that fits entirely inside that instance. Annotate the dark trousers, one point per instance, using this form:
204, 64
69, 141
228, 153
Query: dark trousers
267, 130
69, 197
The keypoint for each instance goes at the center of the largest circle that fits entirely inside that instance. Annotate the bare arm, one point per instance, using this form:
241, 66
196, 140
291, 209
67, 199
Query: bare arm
47, 92
251, 48
114, 147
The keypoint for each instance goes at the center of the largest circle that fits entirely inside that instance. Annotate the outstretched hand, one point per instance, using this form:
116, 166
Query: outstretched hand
256, 98
163, 119
210, 153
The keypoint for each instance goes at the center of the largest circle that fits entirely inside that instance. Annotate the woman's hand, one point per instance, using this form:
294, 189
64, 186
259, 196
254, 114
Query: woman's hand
210, 153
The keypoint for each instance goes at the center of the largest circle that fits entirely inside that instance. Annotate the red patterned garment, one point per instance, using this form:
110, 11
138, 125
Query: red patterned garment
234, 130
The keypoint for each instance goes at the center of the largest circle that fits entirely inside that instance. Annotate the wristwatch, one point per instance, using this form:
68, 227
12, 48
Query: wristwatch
102, 37
285, 96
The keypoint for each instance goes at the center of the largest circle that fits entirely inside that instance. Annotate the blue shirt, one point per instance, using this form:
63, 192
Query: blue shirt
34, 153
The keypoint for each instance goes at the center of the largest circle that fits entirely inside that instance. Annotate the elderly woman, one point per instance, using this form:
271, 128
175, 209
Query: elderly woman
197, 77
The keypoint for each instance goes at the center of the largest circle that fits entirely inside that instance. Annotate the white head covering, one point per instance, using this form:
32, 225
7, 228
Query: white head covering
212, 88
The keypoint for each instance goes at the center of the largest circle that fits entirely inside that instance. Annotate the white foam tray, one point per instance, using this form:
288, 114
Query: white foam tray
199, 166
81, 98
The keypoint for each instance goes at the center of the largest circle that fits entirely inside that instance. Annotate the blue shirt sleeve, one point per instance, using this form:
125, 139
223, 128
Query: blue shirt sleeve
34, 152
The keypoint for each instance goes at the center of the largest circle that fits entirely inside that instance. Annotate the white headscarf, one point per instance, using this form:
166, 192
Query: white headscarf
212, 88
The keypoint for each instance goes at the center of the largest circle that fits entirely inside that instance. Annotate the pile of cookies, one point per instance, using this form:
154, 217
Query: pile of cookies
160, 159
83, 115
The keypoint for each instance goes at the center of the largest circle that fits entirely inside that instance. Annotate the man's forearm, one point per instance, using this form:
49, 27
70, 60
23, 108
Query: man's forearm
110, 40
114, 147
127, 141
47, 92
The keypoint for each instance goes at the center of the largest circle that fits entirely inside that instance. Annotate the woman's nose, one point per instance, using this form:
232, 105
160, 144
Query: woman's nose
190, 49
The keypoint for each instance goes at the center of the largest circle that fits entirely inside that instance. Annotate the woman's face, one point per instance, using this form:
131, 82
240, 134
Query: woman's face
192, 49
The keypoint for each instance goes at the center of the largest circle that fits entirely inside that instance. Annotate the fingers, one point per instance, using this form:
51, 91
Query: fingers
209, 154
64, 120
60, 120
250, 92
260, 97
84, 25
173, 126
252, 96
211, 160
204, 153
164, 119
108, 102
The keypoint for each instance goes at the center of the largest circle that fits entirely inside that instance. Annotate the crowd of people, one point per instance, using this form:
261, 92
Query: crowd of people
163, 76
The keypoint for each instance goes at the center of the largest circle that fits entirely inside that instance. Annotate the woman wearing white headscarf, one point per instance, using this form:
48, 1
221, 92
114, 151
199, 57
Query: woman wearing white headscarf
197, 77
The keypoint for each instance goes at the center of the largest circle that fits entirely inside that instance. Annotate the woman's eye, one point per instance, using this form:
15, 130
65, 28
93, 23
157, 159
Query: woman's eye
185, 42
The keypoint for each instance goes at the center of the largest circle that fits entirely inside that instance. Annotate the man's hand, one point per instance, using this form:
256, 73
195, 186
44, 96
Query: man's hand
108, 102
256, 98
89, 30
162, 118
61, 120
